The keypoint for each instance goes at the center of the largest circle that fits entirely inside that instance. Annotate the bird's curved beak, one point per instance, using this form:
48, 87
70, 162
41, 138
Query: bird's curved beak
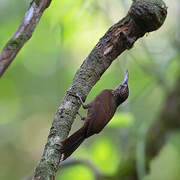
125, 82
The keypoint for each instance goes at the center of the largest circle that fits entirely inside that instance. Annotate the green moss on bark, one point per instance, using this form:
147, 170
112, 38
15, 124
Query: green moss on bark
13, 43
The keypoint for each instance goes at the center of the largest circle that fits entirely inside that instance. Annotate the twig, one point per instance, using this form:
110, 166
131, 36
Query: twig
71, 162
166, 124
142, 17
23, 33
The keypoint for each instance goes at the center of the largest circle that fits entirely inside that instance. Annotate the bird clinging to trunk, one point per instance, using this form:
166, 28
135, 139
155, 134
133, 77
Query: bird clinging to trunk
100, 112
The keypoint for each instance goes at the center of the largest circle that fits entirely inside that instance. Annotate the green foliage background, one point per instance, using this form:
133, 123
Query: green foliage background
33, 86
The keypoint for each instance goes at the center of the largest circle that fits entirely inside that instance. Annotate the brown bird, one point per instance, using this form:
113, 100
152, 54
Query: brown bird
100, 112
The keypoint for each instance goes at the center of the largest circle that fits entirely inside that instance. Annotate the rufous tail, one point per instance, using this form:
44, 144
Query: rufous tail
70, 144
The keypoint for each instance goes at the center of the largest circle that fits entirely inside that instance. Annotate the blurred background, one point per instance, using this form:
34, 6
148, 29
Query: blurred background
142, 140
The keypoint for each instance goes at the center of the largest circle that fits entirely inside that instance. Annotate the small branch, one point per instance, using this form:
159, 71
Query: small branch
167, 123
143, 16
71, 162
23, 33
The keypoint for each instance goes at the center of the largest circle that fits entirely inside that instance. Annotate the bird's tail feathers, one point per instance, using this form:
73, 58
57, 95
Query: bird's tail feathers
70, 144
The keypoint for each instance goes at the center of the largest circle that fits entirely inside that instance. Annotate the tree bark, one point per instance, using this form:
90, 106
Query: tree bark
23, 33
